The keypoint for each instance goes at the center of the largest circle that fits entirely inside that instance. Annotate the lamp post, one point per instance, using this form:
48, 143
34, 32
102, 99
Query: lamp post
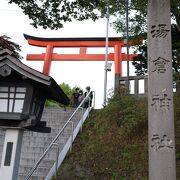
106, 55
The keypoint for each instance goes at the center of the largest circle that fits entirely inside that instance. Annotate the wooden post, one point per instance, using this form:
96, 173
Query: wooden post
160, 92
48, 59
117, 65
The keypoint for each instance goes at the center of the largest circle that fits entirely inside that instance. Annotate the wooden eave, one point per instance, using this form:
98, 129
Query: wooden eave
53, 89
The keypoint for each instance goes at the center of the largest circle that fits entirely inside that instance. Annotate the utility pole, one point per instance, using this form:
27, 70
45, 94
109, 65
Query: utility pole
106, 54
127, 43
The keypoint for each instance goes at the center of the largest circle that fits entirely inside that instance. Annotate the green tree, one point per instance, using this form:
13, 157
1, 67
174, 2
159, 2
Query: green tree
67, 90
141, 64
140, 61
54, 13
6, 43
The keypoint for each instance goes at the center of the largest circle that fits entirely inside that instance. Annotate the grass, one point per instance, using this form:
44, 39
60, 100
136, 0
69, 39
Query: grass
114, 143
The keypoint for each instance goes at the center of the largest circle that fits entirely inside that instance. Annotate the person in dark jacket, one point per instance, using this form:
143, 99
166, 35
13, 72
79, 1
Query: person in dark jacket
75, 98
81, 96
88, 101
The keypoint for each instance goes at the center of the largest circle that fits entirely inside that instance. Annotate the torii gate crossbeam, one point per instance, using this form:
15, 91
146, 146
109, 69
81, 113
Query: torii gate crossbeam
81, 43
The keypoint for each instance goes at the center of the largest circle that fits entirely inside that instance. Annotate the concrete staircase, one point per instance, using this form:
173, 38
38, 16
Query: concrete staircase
34, 144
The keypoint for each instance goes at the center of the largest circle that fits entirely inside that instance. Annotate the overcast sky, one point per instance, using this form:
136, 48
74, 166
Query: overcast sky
14, 23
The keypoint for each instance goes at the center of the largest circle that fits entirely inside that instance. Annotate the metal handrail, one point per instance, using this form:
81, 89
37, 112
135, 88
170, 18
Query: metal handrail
56, 137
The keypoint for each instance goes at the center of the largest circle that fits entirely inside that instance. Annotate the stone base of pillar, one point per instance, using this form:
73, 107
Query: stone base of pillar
116, 82
11, 154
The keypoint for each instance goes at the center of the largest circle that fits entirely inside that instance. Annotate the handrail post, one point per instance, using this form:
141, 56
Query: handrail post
89, 102
82, 118
72, 129
94, 95
57, 158
89, 106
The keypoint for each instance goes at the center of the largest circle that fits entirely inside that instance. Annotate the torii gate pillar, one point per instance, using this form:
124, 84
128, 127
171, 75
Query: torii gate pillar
48, 60
117, 65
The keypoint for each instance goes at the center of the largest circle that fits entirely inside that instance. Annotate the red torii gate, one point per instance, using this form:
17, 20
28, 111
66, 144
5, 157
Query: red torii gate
82, 43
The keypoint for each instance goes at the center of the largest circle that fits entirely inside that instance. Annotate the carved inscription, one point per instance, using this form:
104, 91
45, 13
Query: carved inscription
161, 102
160, 65
158, 143
159, 31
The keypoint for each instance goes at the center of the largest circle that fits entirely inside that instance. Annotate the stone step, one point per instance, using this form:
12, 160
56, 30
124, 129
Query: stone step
29, 140
40, 172
34, 144
32, 149
28, 161
37, 155
33, 177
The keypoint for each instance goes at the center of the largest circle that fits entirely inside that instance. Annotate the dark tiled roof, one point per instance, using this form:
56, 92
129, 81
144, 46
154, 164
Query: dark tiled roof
73, 38
54, 92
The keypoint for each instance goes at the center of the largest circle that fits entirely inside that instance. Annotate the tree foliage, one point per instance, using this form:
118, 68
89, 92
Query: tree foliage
67, 90
54, 13
140, 61
6, 43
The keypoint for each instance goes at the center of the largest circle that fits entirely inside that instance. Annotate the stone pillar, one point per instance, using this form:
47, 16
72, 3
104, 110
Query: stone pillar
11, 154
145, 85
136, 86
160, 93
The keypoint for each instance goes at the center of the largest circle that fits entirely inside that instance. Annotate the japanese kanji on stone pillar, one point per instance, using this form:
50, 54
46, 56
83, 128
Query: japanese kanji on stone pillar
162, 164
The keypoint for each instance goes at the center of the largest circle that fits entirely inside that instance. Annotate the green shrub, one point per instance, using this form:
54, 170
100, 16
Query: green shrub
128, 112
67, 90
